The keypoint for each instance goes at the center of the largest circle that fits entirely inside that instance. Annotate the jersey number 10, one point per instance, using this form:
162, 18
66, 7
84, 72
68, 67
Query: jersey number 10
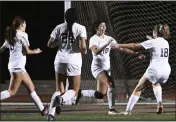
164, 52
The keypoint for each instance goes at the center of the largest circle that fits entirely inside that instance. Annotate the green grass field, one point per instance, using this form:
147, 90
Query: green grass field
90, 117
88, 113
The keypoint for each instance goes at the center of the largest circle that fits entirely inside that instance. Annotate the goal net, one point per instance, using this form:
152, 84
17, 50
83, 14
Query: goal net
128, 22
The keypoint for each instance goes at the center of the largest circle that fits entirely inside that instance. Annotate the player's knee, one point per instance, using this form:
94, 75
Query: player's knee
98, 95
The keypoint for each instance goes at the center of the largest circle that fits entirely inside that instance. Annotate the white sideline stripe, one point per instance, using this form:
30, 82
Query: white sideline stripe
18, 103
147, 103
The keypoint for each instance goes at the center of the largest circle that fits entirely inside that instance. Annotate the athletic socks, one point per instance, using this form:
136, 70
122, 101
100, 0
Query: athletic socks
111, 98
37, 100
51, 108
68, 95
158, 93
5, 94
132, 101
88, 93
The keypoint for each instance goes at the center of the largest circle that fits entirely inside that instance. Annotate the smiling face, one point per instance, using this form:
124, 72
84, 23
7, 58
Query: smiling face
101, 28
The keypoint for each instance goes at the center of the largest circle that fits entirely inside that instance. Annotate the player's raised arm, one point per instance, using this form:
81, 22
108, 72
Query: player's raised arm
97, 50
130, 45
128, 51
3, 47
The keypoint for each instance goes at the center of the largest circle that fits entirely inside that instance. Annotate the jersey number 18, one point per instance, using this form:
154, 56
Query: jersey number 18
164, 52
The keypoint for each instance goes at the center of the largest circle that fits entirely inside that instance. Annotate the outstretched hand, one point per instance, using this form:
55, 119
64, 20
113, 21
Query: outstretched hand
114, 45
37, 51
141, 57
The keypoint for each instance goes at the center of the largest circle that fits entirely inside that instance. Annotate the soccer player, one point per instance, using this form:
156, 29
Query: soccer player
70, 37
100, 45
159, 69
16, 39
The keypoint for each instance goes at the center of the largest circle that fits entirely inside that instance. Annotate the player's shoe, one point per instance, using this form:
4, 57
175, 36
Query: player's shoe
45, 110
159, 109
58, 102
58, 109
51, 118
125, 113
112, 112
78, 97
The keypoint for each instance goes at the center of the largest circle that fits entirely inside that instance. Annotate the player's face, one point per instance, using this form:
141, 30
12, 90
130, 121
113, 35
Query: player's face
23, 26
101, 28
154, 34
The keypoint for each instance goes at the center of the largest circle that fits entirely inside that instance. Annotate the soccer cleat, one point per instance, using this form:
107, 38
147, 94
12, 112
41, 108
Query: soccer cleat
112, 112
78, 97
159, 109
45, 111
58, 109
58, 102
51, 118
125, 113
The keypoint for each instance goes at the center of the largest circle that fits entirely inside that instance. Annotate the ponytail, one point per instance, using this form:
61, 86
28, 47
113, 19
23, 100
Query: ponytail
166, 33
10, 34
71, 16
162, 30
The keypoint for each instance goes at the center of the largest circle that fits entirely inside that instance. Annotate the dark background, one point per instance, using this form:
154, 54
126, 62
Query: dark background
41, 18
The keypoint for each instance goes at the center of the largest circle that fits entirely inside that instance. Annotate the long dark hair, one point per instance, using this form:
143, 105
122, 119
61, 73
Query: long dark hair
10, 31
162, 30
71, 16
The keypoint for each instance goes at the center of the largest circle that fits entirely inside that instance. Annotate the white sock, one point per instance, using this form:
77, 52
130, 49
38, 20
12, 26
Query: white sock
132, 101
88, 93
158, 93
37, 100
4, 95
68, 95
52, 110
111, 98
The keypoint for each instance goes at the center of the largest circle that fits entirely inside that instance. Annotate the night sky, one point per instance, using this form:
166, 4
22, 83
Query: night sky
41, 18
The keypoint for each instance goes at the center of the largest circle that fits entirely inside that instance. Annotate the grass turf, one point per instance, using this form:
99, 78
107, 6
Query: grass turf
90, 117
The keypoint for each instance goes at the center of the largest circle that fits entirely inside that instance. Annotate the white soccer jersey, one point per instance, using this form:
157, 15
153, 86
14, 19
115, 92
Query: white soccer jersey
17, 57
69, 49
159, 50
102, 60
159, 68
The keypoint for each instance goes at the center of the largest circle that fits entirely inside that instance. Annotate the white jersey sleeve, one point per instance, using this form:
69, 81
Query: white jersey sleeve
83, 32
6, 44
92, 42
148, 44
55, 32
114, 41
25, 41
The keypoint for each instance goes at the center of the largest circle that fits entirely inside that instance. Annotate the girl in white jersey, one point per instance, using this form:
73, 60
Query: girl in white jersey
17, 41
159, 69
100, 67
70, 37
